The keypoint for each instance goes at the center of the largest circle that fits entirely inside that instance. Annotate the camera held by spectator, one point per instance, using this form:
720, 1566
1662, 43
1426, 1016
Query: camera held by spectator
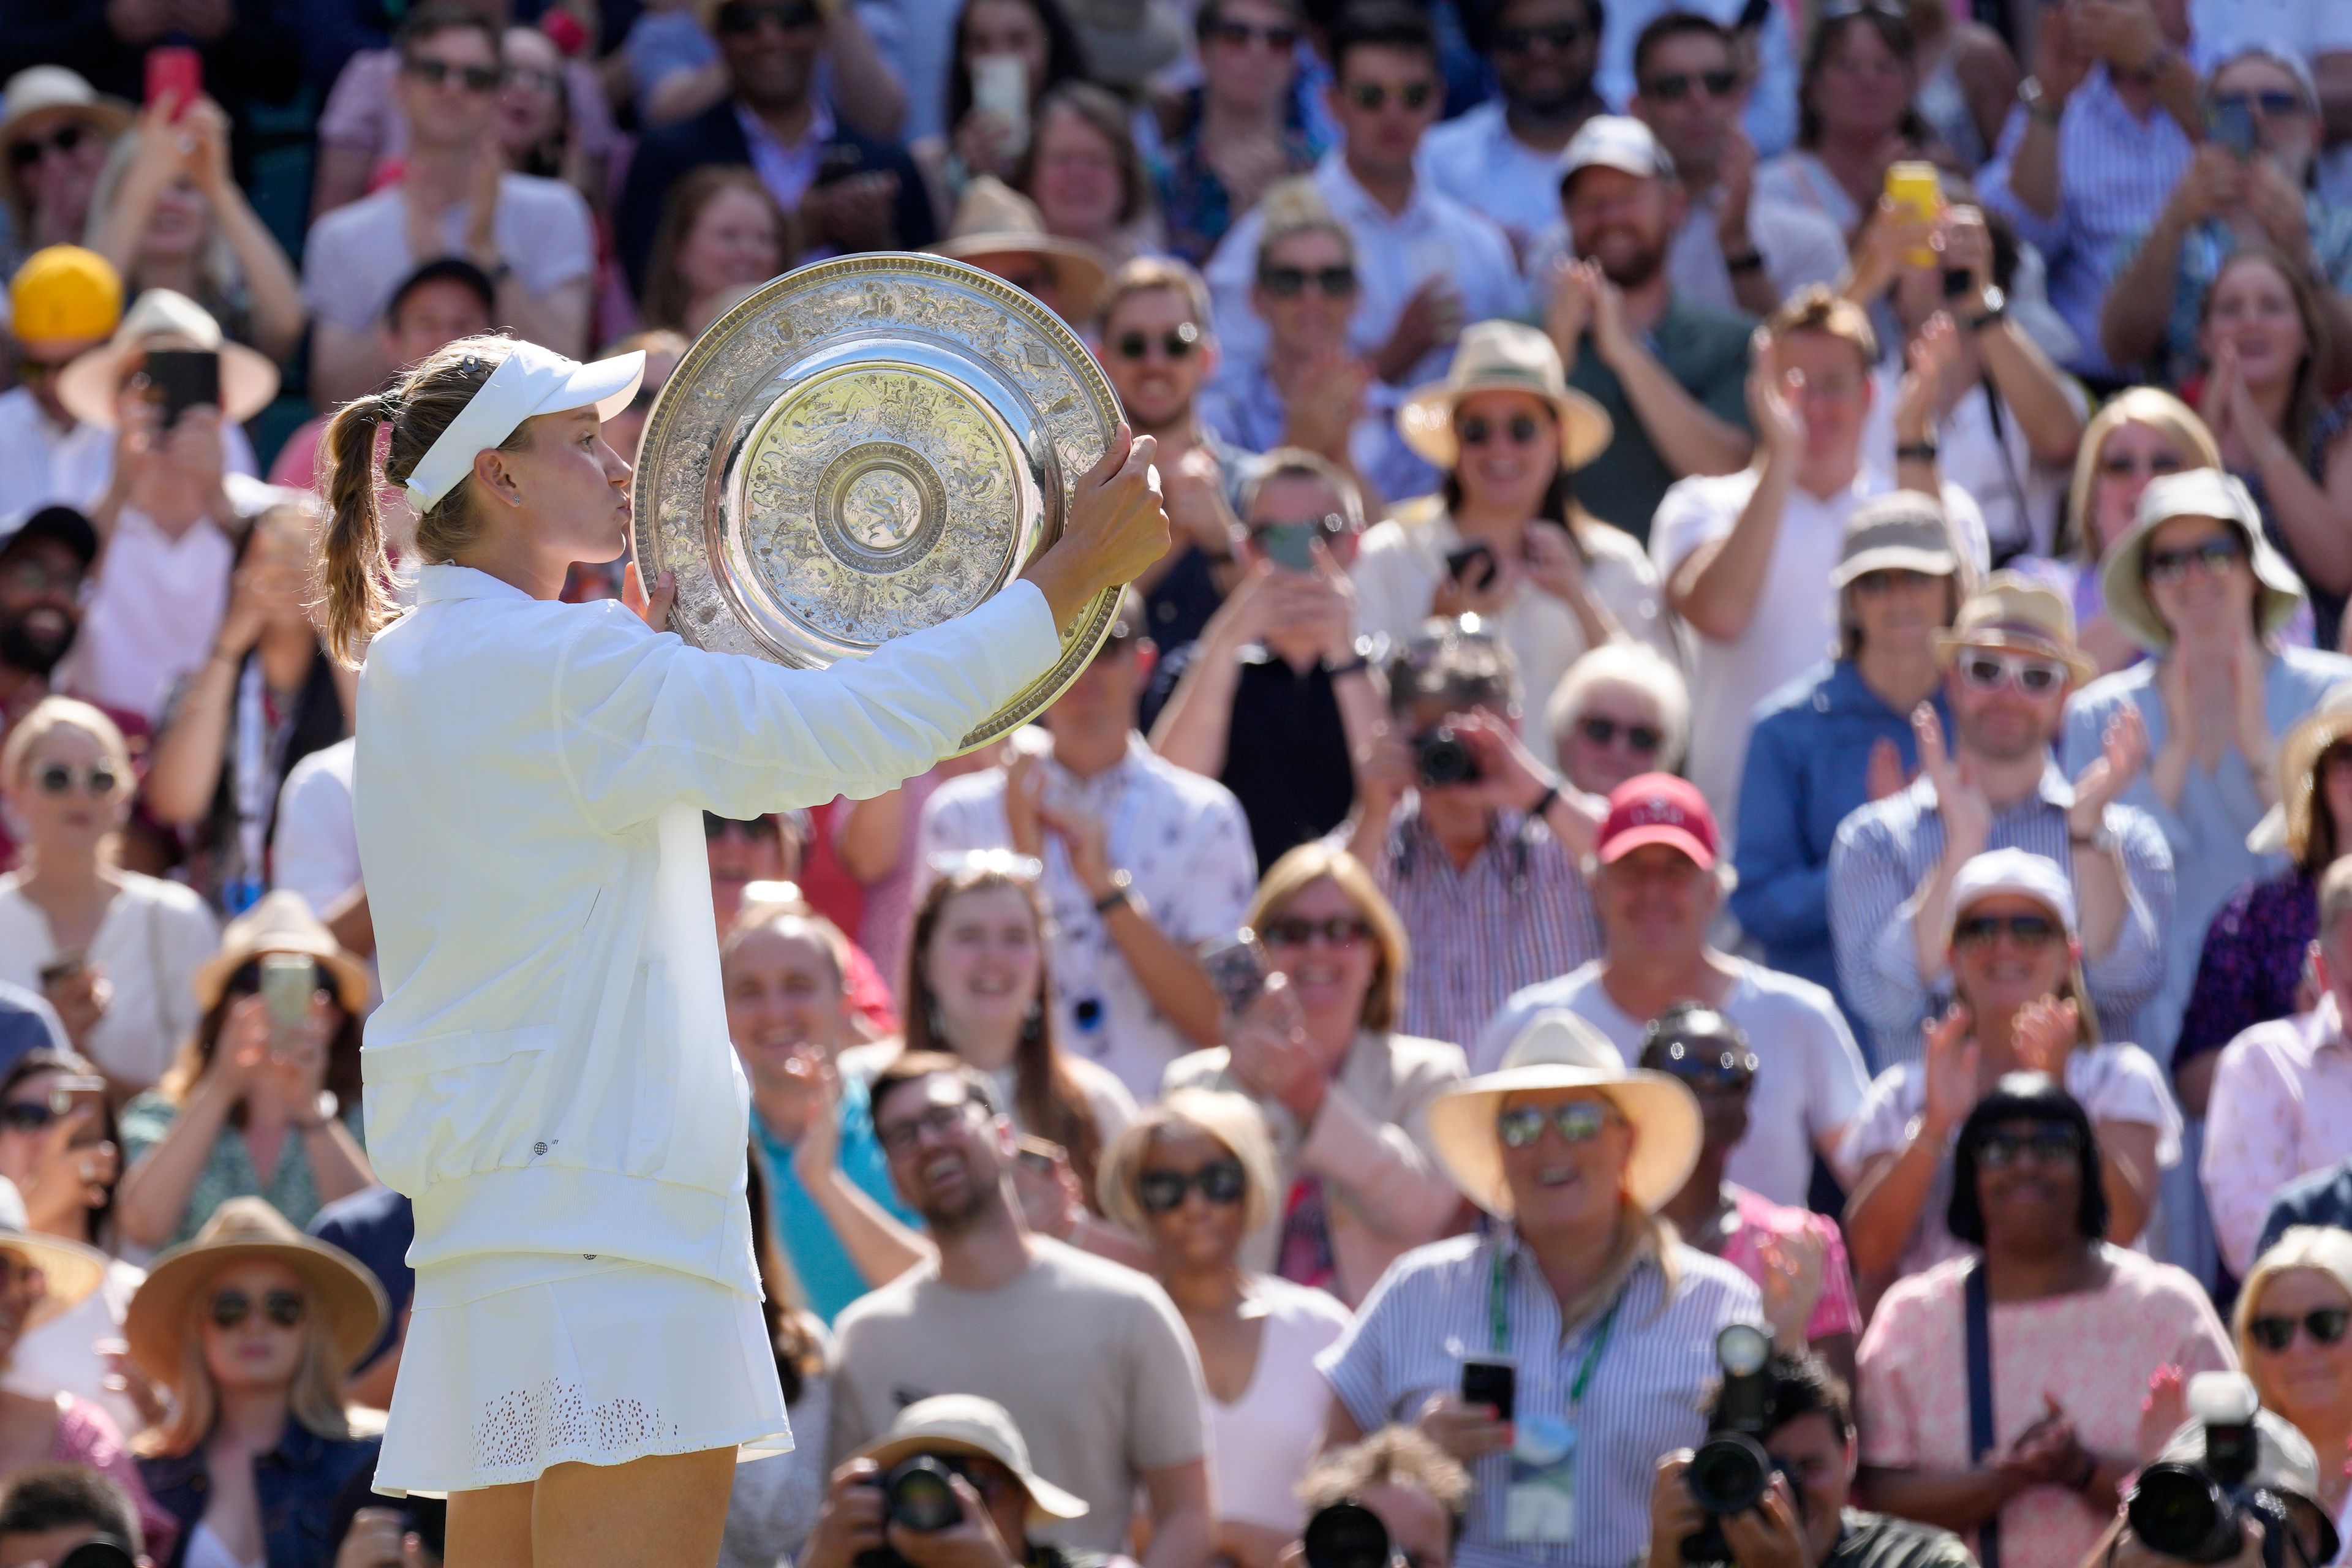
1395, 1497
2236, 1484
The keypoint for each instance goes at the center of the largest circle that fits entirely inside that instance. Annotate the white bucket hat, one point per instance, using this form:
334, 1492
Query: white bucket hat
967, 1424
2194, 492
1556, 1049
531, 380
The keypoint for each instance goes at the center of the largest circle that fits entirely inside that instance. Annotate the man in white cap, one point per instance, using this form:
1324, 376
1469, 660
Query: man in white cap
997, 1495
1671, 374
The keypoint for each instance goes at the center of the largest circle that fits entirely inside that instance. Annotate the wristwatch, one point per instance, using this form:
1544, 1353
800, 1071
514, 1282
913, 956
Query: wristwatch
327, 1106
1122, 891
1916, 452
1749, 261
2101, 838
2038, 104
1995, 309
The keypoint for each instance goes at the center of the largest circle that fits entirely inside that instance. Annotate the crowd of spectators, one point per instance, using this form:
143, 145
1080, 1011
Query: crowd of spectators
1746, 724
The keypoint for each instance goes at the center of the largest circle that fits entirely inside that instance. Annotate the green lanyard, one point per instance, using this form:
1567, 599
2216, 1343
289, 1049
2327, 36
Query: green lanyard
1499, 1327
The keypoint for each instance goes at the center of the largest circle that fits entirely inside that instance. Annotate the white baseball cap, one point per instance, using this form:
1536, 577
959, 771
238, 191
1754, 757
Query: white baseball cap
2020, 871
1616, 141
531, 380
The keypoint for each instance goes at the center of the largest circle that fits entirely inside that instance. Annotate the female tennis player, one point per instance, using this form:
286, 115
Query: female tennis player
550, 1078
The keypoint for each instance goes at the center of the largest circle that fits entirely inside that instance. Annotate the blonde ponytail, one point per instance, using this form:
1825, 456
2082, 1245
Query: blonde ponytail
354, 568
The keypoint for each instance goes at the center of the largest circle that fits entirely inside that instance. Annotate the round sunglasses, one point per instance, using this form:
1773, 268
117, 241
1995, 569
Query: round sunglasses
230, 1308
1294, 931
1578, 1120
2216, 556
57, 778
1644, 738
1986, 671
1221, 1182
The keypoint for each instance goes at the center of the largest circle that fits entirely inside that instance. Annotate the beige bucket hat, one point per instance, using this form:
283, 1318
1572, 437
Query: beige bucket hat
1503, 356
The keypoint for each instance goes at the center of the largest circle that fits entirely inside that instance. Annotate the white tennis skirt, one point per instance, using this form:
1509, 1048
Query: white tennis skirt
515, 1363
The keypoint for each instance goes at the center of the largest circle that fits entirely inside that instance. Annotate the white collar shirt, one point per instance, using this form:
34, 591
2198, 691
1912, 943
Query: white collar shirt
1475, 158
41, 465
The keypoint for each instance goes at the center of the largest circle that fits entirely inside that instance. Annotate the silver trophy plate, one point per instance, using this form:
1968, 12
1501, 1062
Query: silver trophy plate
866, 447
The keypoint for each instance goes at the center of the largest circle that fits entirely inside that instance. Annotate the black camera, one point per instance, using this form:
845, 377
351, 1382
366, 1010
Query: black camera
1731, 1472
1441, 757
2196, 1512
1346, 1535
917, 1495
104, 1552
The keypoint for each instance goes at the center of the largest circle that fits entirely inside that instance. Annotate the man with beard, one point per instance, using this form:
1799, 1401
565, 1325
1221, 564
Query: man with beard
63, 301
1090, 1359
1658, 883
1669, 373
1159, 352
1503, 157
2010, 661
846, 190
42, 563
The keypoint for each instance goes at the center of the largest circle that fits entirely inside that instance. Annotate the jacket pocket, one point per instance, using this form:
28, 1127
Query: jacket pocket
448, 1106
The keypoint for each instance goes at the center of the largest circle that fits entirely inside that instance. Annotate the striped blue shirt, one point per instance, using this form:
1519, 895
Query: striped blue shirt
1886, 849
1649, 1394
2116, 170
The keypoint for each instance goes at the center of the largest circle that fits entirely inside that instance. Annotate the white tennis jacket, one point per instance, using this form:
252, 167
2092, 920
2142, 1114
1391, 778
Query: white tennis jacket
549, 1071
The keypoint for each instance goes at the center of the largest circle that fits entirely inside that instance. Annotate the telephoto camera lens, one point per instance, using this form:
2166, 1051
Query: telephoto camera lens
1346, 1535
2179, 1510
919, 1495
1439, 757
104, 1553
1731, 1472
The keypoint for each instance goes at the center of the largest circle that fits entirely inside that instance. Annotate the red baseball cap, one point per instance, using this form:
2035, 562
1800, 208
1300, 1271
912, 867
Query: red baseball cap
1658, 808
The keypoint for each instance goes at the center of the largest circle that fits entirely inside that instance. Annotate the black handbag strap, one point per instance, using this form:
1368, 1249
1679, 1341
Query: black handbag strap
1981, 1443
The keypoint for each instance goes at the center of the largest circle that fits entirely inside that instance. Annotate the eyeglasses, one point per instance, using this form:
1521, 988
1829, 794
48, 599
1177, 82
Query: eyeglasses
2026, 930
439, 73
2325, 1325
2123, 465
26, 1116
1673, 86
1990, 671
1288, 282
1220, 1182
2057, 1144
1294, 931
2216, 555
1179, 343
742, 19
2276, 103
1241, 35
1562, 37
1477, 430
57, 778
230, 1308
1600, 731
902, 1137
1578, 1120
26, 152
1371, 97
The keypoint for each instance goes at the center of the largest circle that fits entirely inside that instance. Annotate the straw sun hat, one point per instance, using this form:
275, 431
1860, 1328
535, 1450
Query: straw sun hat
994, 219
281, 922
967, 1424
69, 1271
1503, 356
2013, 611
162, 319
346, 1302
1559, 1050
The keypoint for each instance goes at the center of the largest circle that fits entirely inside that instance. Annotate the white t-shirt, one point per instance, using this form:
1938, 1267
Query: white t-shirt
61, 1356
1259, 1445
315, 850
357, 254
1810, 1078
41, 465
2112, 1083
1795, 622
149, 944
2019, 497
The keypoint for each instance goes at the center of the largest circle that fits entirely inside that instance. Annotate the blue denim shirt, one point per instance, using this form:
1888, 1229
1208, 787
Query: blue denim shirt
298, 1482
1807, 761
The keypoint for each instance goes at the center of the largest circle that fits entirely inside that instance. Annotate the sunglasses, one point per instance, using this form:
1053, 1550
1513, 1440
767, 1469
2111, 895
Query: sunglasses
1642, 738
2026, 930
2053, 1145
1288, 282
1371, 97
1562, 37
2216, 555
1294, 931
57, 778
715, 828
439, 73
26, 1116
740, 20
1890, 579
1578, 1120
2276, 103
1221, 1182
1331, 525
2124, 465
2325, 1325
1177, 342
1477, 430
1240, 35
1673, 86
1990, 671
31, 150
901, 1137
230, 1308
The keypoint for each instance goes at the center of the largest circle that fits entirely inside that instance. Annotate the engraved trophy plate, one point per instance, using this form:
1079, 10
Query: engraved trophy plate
866, 447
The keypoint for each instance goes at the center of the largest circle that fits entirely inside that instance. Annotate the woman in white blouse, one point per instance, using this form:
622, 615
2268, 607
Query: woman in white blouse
114, 952
1504, 539
1193, 1176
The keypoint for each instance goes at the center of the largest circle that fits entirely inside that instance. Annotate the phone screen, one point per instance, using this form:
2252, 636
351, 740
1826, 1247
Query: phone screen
1237, 969
175, 75
182, 379
1289, 545
2230, 126
1473, 567
1490, 1380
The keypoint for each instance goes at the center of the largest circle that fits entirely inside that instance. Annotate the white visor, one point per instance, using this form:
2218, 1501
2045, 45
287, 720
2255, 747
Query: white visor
529, 382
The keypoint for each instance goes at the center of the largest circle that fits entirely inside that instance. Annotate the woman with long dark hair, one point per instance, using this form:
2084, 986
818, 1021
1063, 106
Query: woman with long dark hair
977, 987
1855, 115
1508, 433
980, 140
253, 1108
774, 1503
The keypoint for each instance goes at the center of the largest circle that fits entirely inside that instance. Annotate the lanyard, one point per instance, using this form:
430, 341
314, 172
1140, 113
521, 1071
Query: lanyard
1499, 1326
